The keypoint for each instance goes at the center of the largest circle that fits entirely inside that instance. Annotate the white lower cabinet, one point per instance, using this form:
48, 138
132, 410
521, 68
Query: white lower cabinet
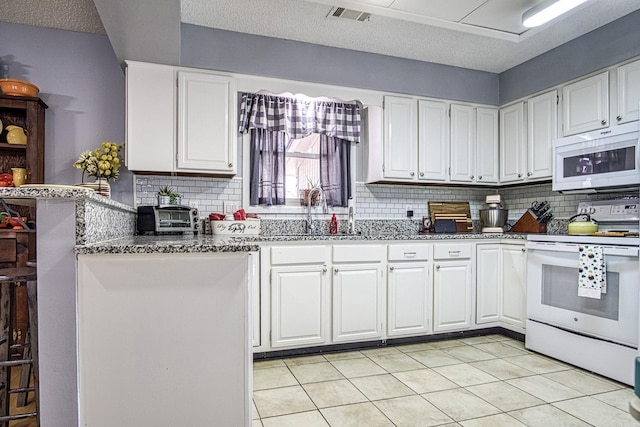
300, 302
357, 292
299, 309
501, 287
357, 295
408, 290
452, 287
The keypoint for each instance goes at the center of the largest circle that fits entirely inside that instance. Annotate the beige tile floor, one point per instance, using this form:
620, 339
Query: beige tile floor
487, 381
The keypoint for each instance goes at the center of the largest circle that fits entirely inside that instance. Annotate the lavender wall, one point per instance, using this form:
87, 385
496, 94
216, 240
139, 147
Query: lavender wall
601, 48
82, 83
215, 49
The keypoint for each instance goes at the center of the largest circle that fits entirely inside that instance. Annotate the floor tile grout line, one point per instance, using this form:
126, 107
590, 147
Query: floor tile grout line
566, 367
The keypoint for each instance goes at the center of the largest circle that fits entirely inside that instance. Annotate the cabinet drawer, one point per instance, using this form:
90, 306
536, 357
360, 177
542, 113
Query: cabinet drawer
8, 251
452, 251
409, 252
316, 254
358, 253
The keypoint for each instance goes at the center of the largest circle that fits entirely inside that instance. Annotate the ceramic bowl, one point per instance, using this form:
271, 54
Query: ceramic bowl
18, 87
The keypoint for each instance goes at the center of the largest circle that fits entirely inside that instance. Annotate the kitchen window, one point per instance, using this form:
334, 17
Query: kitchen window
294, 144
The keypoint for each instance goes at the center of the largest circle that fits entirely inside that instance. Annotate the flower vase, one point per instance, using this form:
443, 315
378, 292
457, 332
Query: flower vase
102, 187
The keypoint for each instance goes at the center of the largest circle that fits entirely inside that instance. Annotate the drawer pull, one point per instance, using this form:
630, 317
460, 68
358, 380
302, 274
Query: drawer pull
391, 268
454, 253
410, 254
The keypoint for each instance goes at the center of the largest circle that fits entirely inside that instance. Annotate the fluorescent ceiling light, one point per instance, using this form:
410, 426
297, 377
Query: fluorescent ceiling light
548, 10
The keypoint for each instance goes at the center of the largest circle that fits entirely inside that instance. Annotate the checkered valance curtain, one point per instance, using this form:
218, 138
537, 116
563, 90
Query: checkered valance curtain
299, 118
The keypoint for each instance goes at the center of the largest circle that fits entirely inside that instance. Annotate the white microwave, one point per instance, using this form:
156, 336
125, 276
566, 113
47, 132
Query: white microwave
603, 160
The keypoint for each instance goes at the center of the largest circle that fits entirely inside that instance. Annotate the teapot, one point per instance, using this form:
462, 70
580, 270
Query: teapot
16, 135
582, 224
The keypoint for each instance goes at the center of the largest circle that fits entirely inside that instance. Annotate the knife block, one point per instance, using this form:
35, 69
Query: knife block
528, 224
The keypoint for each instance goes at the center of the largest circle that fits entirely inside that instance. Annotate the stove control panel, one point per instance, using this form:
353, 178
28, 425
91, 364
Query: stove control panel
611, 210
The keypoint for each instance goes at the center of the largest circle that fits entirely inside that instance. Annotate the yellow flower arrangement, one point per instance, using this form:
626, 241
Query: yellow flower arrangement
102, 162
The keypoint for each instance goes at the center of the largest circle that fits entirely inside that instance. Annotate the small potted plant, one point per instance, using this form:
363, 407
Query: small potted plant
304, 194
168, 196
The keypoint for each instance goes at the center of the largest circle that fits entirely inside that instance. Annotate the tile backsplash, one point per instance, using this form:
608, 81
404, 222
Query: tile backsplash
373, 201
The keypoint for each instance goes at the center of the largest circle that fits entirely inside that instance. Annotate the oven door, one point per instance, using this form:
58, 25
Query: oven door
552, 292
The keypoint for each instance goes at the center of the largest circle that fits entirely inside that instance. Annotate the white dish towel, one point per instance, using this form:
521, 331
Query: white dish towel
592, 271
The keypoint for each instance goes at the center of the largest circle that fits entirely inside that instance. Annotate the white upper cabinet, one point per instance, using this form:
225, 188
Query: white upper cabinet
542, 129
206, 123
628, 93
433, 140
487, 136
463, 141
512, 143
400, 137
179, 120
150, 117
430, 141
586, 104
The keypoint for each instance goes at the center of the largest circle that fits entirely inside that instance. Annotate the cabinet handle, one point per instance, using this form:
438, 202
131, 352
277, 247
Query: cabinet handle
523, 250
528, 173
471, 177
409, 254
519, 175
421, 173
604, 122
391, 268
619, 118
335, 271
480, 178
324, 269
230, 165
437, 267
412, 173
454, 253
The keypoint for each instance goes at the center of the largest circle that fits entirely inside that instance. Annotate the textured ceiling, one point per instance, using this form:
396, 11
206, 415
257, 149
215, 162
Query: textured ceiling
388, 31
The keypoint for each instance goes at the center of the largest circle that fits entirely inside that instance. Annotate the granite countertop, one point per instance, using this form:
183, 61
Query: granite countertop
386, 236
169, 244
52, 191
211, 243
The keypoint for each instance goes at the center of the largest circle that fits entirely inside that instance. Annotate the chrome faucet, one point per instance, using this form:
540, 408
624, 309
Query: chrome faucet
351, 223
311, 228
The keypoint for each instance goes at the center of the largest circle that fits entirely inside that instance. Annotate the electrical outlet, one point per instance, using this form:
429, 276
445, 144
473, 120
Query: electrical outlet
409, 211
229, 207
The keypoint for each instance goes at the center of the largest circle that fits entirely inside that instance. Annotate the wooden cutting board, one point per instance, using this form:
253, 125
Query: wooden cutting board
460, 212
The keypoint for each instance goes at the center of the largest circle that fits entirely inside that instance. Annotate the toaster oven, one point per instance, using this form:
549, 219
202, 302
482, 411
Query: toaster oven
167, 219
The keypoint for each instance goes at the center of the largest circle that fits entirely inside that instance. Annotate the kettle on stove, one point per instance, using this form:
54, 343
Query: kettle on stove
582, 224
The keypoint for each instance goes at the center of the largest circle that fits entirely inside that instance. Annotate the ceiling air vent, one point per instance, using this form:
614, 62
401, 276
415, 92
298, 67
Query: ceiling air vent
351, 15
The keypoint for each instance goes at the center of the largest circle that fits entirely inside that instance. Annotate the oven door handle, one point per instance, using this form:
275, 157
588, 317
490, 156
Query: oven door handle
573, 247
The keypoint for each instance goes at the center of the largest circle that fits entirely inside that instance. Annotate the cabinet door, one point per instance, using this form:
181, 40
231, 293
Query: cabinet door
409, 302
452, 295
433, 140
463, 140
488, 280
586, 104
487, 145
542, 129
299, 306
512, 143
206, 123
513, 285
400, 142
357, 302
150, 117
628, 92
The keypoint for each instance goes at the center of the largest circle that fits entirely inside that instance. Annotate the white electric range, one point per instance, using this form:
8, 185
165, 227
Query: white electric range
598, 334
